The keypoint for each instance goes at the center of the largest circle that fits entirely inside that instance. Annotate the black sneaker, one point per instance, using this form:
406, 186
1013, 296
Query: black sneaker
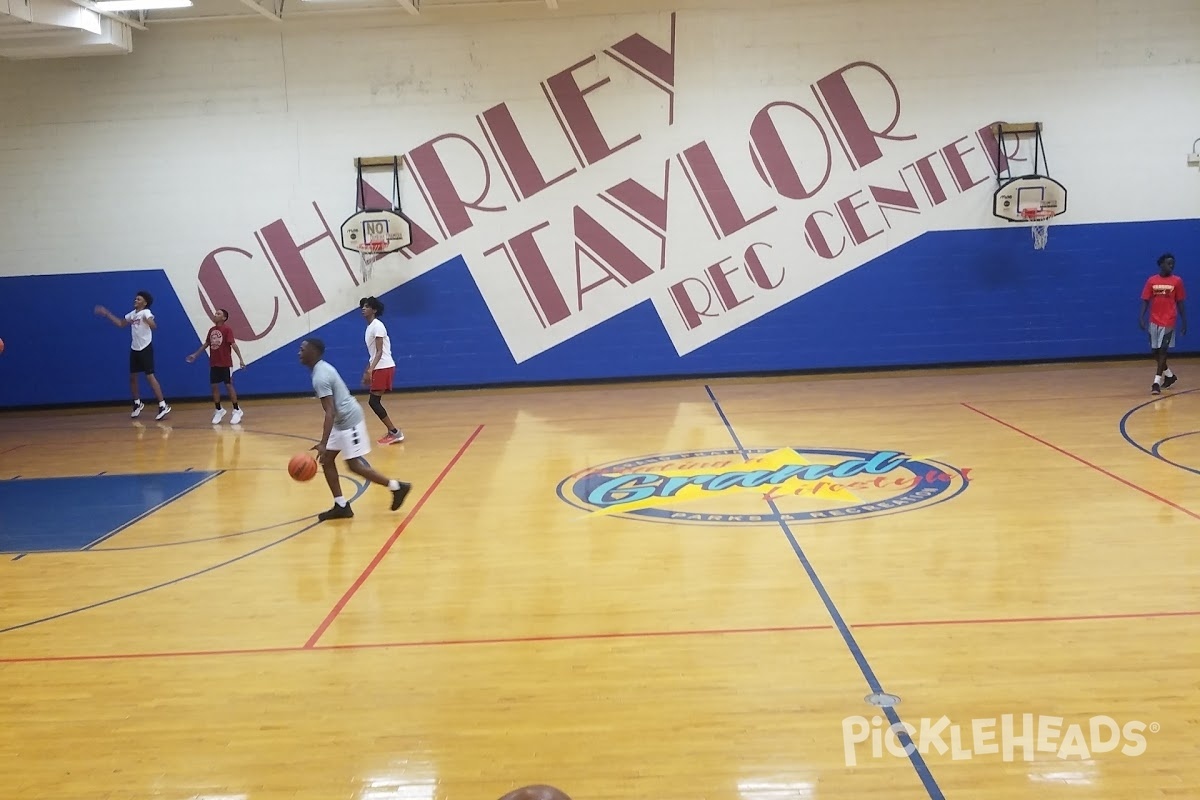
1169, 381
337, 512
1155, 389
398, 495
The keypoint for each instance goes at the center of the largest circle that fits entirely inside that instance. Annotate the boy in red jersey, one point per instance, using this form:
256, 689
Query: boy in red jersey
221, 346
1163, 295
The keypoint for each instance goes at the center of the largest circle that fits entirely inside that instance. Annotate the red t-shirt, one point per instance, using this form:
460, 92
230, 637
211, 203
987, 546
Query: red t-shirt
1163, 294
220, 346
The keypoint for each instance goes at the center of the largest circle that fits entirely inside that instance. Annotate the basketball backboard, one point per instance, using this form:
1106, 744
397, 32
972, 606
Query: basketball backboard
1029, 197
376, 231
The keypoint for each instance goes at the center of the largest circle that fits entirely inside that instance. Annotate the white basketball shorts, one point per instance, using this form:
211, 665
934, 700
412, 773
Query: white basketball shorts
352, 442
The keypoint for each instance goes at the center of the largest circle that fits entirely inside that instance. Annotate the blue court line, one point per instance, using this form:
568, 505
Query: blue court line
361, 489
189, 541
202, 428
162, 585
174, 581
1153, 450
150, 511
66, 429
360, 486
919, 765
1161, 442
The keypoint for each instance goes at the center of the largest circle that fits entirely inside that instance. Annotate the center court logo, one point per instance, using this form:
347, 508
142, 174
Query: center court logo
763, 486
1009, 736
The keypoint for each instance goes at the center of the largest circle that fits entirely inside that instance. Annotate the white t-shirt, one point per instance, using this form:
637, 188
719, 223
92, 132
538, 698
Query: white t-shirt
139, 328
376, 330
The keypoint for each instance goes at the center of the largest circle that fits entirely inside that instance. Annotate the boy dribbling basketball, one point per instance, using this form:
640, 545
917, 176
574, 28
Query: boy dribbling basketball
344, 431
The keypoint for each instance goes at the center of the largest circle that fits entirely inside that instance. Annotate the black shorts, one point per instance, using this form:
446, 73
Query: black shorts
142, 360
218, 375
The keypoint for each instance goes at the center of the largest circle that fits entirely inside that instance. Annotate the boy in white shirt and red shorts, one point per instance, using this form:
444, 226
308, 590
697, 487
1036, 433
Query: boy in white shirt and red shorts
381, 367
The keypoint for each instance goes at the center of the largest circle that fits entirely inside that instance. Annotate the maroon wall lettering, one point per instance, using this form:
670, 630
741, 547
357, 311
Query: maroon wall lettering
858, 137
776, 166
447, 204
579, 123
215, 292
650, 61
713, 192
533, 273
519, 166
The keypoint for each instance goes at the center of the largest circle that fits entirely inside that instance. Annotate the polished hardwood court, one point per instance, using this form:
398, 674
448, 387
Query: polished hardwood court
681, 589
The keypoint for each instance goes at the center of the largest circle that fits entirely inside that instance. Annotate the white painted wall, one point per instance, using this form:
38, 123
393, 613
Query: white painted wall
207, 133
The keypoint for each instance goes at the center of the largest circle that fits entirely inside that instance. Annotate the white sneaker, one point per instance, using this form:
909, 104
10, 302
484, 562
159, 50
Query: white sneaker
162, 412
237, 417
218, 416
138, 405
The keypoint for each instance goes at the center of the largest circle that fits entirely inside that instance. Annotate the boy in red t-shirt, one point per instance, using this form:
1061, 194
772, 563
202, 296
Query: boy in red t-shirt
1163, 295
221, 346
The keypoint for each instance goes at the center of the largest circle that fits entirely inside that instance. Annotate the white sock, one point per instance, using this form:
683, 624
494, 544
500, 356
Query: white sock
162, 403
341, 501
1168, 373
1158, 378
393, 485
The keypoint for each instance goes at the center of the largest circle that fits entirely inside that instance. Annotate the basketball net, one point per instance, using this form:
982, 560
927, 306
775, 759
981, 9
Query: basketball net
371, 252
1040, 226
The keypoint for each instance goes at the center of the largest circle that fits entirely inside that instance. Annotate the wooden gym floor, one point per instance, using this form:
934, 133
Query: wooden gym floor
175, 624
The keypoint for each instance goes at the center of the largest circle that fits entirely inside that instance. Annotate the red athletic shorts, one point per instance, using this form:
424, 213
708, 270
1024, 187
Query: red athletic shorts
381, 379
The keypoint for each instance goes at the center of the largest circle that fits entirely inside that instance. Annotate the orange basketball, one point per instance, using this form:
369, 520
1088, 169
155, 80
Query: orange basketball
302, 467
1, 345
536, 792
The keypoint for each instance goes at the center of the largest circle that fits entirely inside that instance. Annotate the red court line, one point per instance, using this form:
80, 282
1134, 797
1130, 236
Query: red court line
366, 573
248, 651
1086, 463
579, 637
574, 637
566, 637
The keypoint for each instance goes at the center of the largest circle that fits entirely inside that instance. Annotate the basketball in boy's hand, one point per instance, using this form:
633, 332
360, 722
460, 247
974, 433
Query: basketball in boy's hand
302, 467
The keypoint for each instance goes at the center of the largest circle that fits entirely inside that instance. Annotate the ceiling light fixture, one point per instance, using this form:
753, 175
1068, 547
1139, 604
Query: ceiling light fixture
140, 5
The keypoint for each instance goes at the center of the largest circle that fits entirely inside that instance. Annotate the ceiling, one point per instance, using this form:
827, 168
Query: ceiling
43, 29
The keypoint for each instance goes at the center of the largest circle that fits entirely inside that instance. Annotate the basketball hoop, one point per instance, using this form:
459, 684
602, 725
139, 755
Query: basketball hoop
1040, 227
375, 229
1034, 199
370, 252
